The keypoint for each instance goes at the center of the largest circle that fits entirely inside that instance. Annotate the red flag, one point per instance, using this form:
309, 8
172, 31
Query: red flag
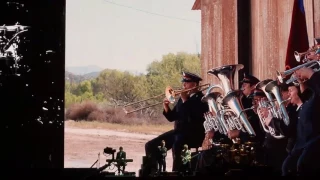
298, 38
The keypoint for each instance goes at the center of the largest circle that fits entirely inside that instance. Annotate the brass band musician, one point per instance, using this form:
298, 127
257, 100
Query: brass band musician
304, 158
248, 86
274, 149
187, 116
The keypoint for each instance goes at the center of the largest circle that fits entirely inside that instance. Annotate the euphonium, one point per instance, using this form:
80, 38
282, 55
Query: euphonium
226, 75
267, 129
211, 98
262, 85
273, 88
211, 122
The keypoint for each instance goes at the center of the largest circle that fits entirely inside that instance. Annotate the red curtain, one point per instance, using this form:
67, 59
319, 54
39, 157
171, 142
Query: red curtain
298, 38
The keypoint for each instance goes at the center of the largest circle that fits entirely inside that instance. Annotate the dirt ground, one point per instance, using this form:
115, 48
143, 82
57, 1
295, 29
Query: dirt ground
82, 147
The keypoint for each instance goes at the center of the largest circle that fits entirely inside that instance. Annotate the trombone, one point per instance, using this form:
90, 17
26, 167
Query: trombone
170, 94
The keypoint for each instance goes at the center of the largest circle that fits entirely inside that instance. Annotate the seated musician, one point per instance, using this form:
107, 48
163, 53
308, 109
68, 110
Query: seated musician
210, 150
304, 158
188, 119
121, 155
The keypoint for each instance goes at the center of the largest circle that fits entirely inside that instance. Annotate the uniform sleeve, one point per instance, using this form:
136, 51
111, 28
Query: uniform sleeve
171, 115
312, 87
314, 82
196, 108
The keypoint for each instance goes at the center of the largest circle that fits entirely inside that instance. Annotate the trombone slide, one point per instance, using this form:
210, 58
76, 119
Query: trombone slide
141, 108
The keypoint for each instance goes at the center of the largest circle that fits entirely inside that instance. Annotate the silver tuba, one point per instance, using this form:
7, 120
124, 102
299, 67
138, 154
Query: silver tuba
267, 129
262, 86
271, 105
212, 121
272, 87
234, 117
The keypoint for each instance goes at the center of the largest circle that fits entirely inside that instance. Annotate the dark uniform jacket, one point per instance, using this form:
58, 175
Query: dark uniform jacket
289, 131
162, 153
253, 119
188, 117
308, 128
121, 155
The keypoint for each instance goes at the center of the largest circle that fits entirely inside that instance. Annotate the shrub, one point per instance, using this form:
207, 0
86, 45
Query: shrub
91, 111
81, 111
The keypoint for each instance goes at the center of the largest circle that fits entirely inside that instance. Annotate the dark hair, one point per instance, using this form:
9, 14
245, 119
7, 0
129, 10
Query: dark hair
284, 87
299, 90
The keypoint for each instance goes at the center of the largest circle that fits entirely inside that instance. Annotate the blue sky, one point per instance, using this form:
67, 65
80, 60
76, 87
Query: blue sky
117, 37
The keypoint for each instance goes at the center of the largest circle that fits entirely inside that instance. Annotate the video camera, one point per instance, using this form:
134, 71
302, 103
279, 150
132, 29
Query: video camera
109, 150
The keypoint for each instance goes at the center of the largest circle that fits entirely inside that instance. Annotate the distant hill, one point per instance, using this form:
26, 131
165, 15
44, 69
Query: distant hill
83, 70
70, 77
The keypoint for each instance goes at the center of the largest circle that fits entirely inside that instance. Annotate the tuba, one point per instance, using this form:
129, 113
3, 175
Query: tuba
267, 129
271, 105
232, 117
273, 109
272, 87
212, 121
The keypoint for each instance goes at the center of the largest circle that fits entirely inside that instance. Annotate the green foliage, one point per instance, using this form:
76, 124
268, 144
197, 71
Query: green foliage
117, 88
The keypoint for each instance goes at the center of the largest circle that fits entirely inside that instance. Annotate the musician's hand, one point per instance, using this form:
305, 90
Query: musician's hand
210, 134
264, 112
232, 134
304, 73
267, 120
166, 101
184, 96
313, 56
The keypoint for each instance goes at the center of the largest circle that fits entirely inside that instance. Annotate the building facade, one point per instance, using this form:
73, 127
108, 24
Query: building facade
254, 33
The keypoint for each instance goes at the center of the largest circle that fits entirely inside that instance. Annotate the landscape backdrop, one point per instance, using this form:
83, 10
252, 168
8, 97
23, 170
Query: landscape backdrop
96, 94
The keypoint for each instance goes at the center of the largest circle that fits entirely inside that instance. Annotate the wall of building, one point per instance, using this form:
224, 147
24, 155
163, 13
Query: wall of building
224, 38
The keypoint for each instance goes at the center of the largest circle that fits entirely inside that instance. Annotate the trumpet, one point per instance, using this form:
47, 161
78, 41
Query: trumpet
298, 55
293, 79
309, 64
170, 94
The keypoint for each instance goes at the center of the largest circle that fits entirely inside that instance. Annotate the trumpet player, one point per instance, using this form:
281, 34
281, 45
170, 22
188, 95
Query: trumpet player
304, 158
188, 119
